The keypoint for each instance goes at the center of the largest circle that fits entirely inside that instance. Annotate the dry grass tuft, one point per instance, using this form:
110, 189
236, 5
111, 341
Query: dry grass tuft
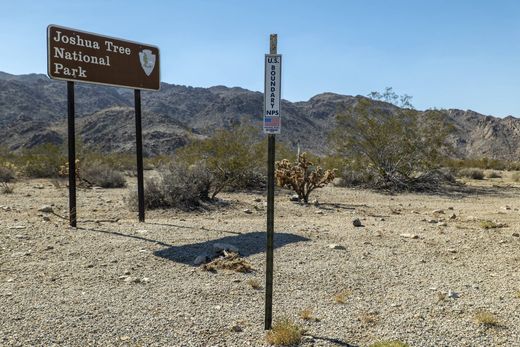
488, 224
284, 333
6, 188
368, 318
486, 319
307, 314
341, 297
230, 261
389, 344
254, 283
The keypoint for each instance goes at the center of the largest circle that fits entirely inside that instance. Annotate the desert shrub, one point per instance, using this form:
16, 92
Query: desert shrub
7, 172
178, 186
232, 157
476, 174
6, 188
42, 161
284, 333
401, 148
486, 319
102, 175
493, 174
302, 176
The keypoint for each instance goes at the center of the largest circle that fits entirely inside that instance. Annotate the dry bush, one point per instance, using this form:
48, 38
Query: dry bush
307, 314
284, 333
6, 188
229, 261
486, 319
178, 186
302, 176
102, 175
476, 174
488, 224
368, 318
7, 172
341, 297
493, 174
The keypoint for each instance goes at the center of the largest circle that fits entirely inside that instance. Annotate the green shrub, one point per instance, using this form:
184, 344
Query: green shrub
42, 161
476, 174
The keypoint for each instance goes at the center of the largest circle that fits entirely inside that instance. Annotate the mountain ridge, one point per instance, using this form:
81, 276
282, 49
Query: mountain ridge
33, 111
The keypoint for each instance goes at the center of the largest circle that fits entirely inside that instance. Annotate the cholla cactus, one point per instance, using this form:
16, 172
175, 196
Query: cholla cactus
64, 170
302, 176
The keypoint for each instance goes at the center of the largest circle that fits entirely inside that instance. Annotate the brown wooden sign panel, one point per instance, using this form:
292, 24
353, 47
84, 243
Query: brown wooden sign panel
75, 55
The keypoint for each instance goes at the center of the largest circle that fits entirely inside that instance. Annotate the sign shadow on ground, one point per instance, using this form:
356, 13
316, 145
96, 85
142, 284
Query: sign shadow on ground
247, 243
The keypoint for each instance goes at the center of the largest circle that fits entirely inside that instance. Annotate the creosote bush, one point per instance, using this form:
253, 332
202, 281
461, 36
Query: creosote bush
302, 176
284, 333
399, 148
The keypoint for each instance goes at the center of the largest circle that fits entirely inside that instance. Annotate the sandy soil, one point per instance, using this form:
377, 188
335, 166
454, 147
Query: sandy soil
420, 269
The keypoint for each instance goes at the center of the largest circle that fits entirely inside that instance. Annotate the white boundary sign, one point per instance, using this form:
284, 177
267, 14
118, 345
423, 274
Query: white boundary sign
272, 94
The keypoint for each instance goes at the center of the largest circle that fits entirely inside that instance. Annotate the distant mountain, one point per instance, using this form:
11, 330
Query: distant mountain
33, 111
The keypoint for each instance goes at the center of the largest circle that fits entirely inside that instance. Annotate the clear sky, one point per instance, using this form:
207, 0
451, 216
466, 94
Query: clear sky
446, 54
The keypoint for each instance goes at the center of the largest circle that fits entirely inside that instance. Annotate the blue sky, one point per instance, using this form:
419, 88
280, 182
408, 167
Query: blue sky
446, 54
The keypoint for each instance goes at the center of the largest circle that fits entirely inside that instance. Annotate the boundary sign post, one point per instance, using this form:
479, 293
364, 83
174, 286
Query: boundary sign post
272, 124
80, 56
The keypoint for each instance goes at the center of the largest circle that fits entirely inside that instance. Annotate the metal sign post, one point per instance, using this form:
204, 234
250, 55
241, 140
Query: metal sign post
72, 153
78, 56
272, 124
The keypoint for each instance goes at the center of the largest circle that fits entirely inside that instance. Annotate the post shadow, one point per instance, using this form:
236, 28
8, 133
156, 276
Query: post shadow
247, 243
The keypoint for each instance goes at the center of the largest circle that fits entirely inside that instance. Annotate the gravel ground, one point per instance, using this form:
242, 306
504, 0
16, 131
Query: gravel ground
419, 269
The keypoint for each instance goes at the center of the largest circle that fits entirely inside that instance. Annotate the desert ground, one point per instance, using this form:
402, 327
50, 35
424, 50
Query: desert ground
423, 269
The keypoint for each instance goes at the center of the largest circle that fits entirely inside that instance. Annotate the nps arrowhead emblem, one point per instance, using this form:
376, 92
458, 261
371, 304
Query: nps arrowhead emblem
147, 59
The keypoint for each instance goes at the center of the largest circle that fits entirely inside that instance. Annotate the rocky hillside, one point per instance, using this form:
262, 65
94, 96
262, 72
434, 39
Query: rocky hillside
33, 111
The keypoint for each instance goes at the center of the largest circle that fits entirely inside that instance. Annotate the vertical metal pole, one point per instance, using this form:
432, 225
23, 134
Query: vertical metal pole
72, 154
270, 216
139, 146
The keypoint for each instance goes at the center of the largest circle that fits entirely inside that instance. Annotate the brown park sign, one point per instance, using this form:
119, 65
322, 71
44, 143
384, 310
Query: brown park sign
75, 55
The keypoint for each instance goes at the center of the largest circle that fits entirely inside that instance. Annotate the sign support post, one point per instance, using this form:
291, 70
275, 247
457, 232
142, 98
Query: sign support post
139, 147
79, 56
72, 153
270, 209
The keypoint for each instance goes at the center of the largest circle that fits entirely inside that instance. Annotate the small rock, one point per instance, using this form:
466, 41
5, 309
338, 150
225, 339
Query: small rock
357, 223
145, 280
10, 280
442, 224
450, 208
438, 212
201, 259
453, 216
127, 272
315, 202
236, 329
38, 186
46, 209
319, 212
336, 246
294, 198
219, 247
409, 236
452, 250
141, 231
18, 227
507, 207
131, 279
247, 211
46, 219
257, 200
515, 235
432, 221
